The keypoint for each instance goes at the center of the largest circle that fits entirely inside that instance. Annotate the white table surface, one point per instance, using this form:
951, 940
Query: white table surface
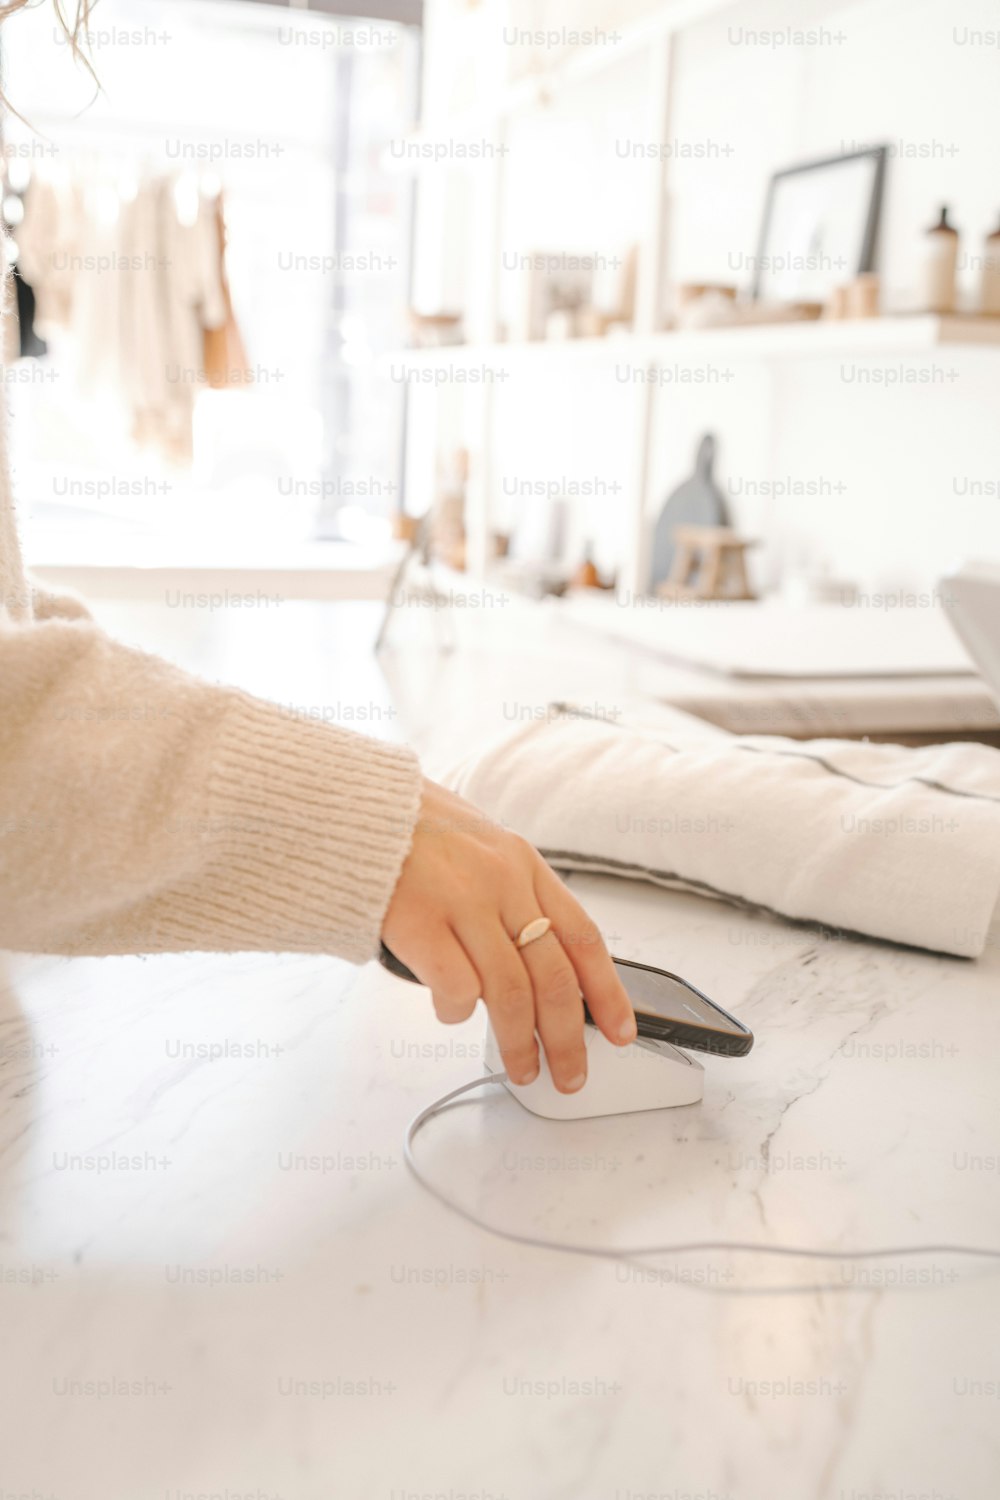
384, 1348
281, 1311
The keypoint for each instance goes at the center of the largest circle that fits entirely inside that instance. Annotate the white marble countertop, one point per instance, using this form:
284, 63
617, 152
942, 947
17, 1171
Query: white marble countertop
217, 1277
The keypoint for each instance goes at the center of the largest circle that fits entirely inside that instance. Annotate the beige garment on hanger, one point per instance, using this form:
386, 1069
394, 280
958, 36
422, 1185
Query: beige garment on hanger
172, 299
48, 242
143, 335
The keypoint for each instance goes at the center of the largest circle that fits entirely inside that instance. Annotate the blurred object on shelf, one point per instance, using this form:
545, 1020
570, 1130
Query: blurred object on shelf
715, 311
560, 325
859, 298
820, 222
836, 304
439, 330
989, 282
586, 575
704, 304
501, 544
805, 585
565, 295
710, 563
540, 530
535, 561
698, 501
447, 525
863, 296
591, 323
534, 580
755, 314
615, 288
553, 282
629, 286
940, 262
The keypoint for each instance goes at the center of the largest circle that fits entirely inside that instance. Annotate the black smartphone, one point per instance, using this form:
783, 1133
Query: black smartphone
667, 1008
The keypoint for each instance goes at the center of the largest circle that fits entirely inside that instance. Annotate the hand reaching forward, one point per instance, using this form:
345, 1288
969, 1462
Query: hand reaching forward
467, 889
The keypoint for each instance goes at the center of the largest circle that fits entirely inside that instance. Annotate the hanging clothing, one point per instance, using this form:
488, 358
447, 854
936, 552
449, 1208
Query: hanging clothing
136, 276
48, 243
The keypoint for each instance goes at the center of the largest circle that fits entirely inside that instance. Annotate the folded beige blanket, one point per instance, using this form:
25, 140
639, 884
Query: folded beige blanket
895, 843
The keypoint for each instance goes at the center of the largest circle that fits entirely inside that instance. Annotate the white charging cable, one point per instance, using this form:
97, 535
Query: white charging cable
744, 1247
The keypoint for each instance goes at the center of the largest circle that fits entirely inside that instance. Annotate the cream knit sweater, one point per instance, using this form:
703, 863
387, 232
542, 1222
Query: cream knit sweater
143, 810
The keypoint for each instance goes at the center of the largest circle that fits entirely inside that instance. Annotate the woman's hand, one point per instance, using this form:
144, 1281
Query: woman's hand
466, 890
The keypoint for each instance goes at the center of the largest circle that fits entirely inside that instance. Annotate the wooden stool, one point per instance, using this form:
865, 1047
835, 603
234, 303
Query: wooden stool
709, 563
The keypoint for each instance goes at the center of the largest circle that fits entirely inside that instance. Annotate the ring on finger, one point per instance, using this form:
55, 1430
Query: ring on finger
533, 931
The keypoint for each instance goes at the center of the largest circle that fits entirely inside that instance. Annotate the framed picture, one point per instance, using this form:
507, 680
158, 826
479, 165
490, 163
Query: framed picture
555, 282
820, 227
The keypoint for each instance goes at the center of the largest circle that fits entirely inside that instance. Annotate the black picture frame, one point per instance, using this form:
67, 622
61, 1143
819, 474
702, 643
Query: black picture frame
869, 237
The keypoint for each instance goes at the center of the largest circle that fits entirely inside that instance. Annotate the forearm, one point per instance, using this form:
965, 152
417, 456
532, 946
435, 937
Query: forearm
143, 810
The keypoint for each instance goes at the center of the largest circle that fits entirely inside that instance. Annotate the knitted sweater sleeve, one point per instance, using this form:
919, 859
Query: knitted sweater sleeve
144, 810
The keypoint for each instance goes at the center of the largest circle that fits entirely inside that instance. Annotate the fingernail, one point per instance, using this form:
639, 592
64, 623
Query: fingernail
576, 1083
529, 1077
627, 1030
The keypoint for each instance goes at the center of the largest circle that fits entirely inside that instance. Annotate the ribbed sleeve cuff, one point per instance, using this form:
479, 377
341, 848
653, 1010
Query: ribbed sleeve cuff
307, 829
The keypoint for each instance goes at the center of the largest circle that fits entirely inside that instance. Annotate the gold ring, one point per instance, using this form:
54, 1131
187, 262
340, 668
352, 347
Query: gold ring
534, 930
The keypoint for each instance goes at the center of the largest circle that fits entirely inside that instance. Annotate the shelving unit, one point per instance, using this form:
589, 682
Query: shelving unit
649, 49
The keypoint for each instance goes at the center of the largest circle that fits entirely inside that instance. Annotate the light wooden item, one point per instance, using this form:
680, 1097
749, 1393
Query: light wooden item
709, 563
837, 304
863, 296
439, 330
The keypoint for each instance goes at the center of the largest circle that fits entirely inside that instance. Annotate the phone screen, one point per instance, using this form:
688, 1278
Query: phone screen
655, 993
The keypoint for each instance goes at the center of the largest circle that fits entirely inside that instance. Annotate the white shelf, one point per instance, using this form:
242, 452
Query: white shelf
920, 333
